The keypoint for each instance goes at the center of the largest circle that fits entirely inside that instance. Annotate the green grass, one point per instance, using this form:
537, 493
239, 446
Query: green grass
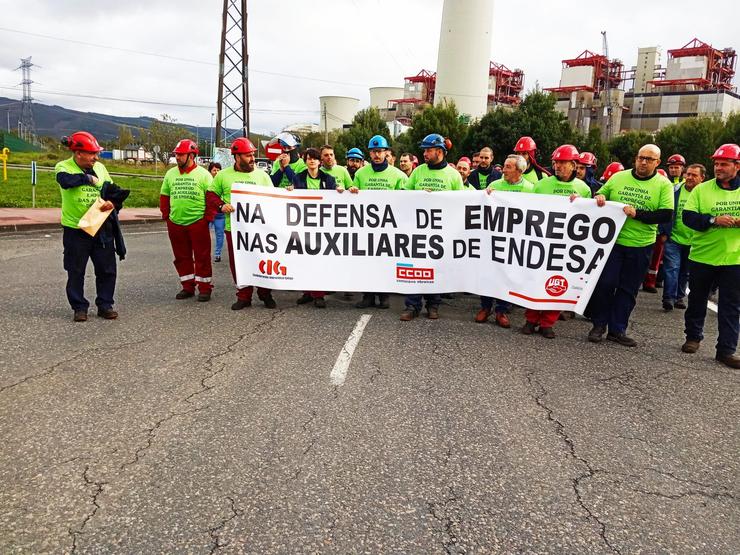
17, 190
51, 158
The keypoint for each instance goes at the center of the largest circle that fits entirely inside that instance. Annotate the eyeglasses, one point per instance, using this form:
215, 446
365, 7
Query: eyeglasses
647, 159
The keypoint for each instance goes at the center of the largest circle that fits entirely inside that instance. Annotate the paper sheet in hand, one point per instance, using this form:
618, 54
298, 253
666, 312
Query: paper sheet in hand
94, 218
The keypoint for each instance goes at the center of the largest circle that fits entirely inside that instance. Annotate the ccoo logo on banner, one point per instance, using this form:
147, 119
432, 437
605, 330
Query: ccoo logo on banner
537, 251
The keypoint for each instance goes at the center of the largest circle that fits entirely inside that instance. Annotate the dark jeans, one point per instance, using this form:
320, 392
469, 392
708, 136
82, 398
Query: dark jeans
78, 248
414, 301
615, 295
676, 267
701, 279
501, 306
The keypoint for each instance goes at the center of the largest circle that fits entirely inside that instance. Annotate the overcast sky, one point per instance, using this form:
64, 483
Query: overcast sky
354, 44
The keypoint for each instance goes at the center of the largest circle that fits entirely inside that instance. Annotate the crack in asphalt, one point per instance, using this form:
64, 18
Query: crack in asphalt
589, 470
95, 506
215, 532
675, 496
442, 512
54, 367
152, 433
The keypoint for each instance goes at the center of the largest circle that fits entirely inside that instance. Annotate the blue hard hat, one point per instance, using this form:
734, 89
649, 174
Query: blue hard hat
355, 153
378, 141
434, 140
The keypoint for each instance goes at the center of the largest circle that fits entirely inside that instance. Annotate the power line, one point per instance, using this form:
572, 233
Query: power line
178, 58
159, 102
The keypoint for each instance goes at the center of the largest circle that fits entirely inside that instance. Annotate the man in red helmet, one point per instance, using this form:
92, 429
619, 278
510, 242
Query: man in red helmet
83, 179
563, 183
648, 200
585, 170
218, 200
713, 212
527, 148
676, 168
182, 201
610, 170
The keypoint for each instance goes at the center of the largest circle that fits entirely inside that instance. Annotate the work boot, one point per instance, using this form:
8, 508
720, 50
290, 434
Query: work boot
319, 302
528, 328
409, 314
482, 316
107, 313
269, 302
596, 334
204, 297
383, 301
183, 294
733, 361
368, 300
679, 304
217, 258
432, 312
691, 346
239, 304
304, 299
621, 338
80, 316
667, 306
649, 289
502, 319
547, 333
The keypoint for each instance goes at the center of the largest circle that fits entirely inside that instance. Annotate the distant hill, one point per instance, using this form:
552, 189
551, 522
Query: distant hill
56, 121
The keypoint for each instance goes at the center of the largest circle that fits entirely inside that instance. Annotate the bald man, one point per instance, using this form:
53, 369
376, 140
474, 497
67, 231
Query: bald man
648, 200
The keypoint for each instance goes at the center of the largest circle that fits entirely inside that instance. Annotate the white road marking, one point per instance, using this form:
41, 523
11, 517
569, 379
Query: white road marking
144, 233
711, 306
339, 372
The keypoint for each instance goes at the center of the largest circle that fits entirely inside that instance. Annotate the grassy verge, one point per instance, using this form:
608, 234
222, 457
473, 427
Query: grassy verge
51, 158
17, 190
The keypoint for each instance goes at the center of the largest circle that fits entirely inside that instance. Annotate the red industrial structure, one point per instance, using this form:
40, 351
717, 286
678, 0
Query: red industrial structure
509, 84
719, 71
606, 74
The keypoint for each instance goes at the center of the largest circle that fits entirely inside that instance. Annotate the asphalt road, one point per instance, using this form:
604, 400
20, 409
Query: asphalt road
184, 427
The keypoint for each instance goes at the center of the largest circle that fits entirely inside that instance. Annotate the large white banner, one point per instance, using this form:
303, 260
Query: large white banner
536, 251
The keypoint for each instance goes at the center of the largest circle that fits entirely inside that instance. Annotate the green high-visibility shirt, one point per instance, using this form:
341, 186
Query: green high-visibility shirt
531, 176
340, 175
225, 179
651, 194
445, 179
681, 233
298, 166
523, 186
187, 192
77, 200
390, 178
553, 186
717, 246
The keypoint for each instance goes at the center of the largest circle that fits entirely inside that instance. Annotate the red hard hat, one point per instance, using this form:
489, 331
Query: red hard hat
611, 169
525, 144
587, 159
242, 145
82, 141
729, 151
662, 172
676, 159
565, 153
186, 146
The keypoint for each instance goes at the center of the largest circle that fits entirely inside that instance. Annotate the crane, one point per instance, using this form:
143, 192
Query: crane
607, 99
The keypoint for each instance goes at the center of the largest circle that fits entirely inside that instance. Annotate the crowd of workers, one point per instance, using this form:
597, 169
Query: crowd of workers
680, 226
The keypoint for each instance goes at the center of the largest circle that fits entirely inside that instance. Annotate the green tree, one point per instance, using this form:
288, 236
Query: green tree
365, 124
623, 148
694, 138
125, 137
443, 119
592, 142
165, 133
536, 117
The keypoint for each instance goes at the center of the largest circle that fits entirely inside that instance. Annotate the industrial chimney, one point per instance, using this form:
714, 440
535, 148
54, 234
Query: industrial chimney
464, 55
